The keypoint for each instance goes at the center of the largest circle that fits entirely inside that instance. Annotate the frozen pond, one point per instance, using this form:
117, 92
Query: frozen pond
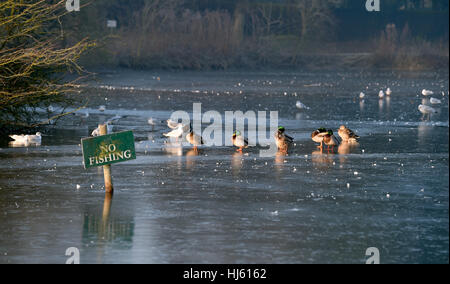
174, 205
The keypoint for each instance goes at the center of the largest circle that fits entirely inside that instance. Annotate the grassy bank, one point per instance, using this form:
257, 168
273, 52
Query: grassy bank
276, 52
171, 35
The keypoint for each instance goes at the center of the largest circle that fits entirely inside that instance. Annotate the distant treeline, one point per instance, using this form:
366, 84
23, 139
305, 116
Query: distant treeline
220, 34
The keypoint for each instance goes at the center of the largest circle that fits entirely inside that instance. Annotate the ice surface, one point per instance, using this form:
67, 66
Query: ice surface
176, 205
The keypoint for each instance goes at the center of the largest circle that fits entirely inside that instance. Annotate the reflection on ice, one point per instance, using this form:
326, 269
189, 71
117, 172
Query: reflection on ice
191, 158
20, 144
380, 106
280, 160
346, 148
173, 148
388, 103
361, 106
237, 162
424, 130
102, 231
321, 159
301, 116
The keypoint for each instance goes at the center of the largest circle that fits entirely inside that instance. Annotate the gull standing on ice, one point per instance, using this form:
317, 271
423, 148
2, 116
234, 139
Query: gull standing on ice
27, 139
300, 105
388, 91
172, 124
96, 131
435, 101
427, 92
151, 122
176, 133
427, 110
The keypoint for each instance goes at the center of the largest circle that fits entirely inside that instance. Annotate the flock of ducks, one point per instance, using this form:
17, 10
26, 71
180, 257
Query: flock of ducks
282, 140
327, 137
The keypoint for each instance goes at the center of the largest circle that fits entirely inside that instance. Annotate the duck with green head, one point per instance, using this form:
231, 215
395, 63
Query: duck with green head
330, 140
283, 140
239, 141
317, 136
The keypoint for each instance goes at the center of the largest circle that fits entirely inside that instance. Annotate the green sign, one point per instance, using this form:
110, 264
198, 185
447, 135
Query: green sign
108, 149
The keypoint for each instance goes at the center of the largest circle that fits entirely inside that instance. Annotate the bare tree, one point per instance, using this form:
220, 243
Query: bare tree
318, 21
33, 60
266, 12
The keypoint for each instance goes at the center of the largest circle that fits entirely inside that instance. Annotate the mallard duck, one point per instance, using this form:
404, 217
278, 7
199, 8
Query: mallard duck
317, 136
239, 141
194, 139
283, 141
330, 140
347, 134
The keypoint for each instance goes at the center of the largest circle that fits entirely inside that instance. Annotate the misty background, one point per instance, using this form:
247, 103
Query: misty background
222, 34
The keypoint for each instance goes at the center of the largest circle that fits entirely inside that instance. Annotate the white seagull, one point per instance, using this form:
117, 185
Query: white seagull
152, 123
172, 124
427, 110
102, 108
27, 139
300, 105
381, 94
96, 131
435, 101
176, 133
388, 91
427, 92
362, 95
114, 119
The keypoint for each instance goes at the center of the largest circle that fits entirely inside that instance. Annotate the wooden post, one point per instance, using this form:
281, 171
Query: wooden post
106, 169
106, 207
